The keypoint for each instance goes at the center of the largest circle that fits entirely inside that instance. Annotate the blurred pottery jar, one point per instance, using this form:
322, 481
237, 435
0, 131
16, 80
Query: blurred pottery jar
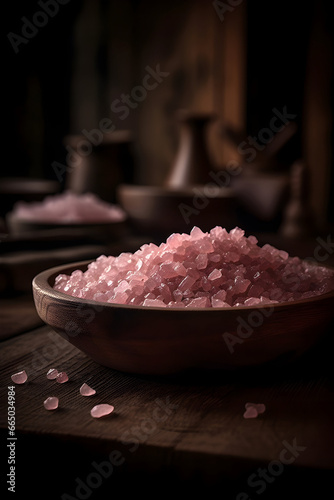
99, 166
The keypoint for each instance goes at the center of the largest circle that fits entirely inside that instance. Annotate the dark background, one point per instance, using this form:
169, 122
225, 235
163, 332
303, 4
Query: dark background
67, 75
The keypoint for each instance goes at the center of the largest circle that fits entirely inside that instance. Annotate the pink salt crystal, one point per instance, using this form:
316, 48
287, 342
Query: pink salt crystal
120, 298
52, 374
153, 303
186, 283
259, 407
153, 282
214, 257
221, 295
196, 233
218, 233
51, 403
255, 291
178, 295
206, 284
237, 233
85, 390
101, 410
252, 301
19, 377
252, 239
240, 285
198, 302
188, 294
174, 240
180, 269
168, 270
201, 261
62, 377
214, 275
219, 303
202, 245
284, 255
251, 412
176, 304
307, 295
165, 292
232, 257
266, 300
122, 287
275, 294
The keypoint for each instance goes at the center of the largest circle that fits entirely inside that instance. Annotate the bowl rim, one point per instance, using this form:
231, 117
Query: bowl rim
126, 190
41, 282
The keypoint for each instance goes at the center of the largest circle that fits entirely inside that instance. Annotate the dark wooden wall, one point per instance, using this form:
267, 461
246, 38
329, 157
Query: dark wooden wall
239, 63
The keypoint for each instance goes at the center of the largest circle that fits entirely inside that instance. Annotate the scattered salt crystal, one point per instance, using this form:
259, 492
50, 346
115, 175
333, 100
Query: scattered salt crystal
51, 403
19, 377
189, 266
52, 374
251, 412
85, 390
101, 410
259, 407
62, 377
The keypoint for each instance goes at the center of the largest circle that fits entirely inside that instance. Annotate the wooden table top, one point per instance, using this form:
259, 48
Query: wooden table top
184, 433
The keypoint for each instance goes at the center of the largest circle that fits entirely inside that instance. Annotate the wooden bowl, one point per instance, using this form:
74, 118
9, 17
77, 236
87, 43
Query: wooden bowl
160, 341
262, 194
163, 210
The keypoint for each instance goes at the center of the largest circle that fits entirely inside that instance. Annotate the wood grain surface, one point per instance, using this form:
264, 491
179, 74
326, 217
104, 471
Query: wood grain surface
12, 323
187, 431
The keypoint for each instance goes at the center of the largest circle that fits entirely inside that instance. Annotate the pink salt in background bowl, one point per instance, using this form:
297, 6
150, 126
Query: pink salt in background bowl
77, 216
163, 341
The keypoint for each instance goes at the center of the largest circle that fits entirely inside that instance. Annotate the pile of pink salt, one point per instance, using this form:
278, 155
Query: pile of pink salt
69, 208
212, 269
